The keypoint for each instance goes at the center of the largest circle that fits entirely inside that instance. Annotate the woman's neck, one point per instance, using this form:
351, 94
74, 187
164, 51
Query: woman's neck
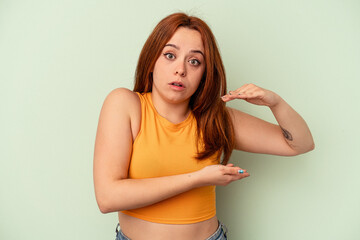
174, 112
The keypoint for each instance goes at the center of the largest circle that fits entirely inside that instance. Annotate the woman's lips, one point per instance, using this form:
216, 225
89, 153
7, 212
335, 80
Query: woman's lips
177, 85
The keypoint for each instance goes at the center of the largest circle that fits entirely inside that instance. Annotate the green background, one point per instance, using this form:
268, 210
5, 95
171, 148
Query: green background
59, 60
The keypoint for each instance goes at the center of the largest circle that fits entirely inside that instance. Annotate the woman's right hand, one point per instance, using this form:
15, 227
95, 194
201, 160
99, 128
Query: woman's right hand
220, 175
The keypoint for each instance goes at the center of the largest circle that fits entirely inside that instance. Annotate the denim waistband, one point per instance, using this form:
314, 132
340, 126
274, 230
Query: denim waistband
219, 234
119, 234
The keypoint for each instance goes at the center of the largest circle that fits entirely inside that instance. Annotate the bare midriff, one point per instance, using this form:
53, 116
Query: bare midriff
138, 229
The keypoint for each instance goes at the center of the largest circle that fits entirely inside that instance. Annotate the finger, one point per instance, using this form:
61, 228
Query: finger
239, 176
234, 170
232, 95
239, 94
244, 92
247, 90
243, 89
243, 174
253, 94
239, 90
249, 94
227, 98
230, 170
242, 171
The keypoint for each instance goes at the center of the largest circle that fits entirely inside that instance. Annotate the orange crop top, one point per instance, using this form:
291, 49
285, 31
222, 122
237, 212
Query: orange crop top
163, 148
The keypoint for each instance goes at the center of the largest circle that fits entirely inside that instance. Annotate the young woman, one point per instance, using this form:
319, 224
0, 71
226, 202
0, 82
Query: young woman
158, 148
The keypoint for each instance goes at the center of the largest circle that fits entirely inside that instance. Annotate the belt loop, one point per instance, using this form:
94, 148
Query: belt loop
117, 229
224, 228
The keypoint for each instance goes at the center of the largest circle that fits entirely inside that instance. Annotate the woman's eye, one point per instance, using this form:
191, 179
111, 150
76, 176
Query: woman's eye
194, 62
169, 55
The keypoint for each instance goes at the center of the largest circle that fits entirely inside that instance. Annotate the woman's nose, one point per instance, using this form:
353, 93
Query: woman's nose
180, 69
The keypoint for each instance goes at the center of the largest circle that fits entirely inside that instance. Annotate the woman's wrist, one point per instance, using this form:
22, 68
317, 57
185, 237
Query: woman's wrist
196, 180
279, 103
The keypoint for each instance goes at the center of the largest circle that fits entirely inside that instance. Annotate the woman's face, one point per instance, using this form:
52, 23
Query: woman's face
180, 66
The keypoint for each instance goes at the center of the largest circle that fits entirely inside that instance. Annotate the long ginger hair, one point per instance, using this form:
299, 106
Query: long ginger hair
214, 125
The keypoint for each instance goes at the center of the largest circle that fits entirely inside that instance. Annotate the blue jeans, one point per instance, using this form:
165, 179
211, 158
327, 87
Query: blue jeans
219, 234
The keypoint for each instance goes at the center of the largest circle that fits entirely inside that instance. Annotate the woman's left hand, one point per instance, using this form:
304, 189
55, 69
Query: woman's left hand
253, 94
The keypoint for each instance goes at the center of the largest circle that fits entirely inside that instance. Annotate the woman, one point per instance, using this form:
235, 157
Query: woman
158, 147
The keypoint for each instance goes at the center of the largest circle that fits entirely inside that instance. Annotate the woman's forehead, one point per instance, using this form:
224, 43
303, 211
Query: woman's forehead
186, 38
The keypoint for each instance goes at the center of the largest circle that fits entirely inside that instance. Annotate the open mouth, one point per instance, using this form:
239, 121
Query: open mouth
178, 84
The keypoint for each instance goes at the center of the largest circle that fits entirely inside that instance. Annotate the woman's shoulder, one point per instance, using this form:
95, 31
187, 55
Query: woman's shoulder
122, 93
123, 96
124, 101
124, 106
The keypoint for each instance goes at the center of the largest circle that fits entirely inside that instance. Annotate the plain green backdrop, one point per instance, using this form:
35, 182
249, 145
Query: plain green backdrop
59, 60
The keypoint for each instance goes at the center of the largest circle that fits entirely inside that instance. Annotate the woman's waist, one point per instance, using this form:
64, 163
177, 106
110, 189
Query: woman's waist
136, 228
192, 206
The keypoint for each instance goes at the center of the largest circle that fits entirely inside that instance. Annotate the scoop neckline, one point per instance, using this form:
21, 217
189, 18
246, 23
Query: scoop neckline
165, 121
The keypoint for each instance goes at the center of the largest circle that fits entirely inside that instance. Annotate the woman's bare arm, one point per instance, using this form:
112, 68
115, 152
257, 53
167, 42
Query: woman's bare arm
113, 189
291, 137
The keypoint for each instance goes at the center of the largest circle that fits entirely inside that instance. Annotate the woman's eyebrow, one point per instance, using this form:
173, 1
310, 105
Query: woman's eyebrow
198, 51
174, 46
